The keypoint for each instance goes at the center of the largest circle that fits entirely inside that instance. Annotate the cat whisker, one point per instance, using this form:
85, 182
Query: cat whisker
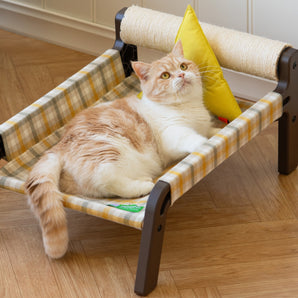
209, 78
208, 66
209, 71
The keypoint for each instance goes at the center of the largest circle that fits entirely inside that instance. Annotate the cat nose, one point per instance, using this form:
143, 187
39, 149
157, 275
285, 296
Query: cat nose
181, 75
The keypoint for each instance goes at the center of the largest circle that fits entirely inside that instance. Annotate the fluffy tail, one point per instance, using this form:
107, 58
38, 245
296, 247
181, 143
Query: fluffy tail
46, 202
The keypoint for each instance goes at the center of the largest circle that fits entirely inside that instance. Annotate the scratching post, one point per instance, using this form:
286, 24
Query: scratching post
235, 50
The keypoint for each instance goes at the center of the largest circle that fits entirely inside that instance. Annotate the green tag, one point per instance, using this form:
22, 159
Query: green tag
130, 208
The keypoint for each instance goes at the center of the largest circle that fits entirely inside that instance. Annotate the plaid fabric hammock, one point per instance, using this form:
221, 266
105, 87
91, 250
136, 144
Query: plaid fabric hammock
31, 132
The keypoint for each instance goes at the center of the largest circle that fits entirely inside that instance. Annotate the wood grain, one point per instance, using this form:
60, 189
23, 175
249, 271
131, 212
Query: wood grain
235, 234
9, 286
32, 269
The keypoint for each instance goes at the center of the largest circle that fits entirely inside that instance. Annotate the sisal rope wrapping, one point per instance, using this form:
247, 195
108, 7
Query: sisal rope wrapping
239, 51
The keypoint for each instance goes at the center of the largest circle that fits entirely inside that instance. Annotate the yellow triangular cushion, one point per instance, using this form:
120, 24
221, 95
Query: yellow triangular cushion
218, 97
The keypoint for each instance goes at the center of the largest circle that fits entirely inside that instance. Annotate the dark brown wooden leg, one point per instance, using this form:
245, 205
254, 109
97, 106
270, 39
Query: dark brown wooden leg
288, 143
152, 239
288, 123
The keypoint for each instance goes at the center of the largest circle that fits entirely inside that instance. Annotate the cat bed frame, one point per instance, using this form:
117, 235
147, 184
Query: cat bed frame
25, 136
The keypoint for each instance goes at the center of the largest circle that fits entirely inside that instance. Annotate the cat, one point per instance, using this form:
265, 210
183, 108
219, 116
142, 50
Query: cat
117, 148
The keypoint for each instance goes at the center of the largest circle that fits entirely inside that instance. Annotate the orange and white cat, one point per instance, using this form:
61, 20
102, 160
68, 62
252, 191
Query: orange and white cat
118, 148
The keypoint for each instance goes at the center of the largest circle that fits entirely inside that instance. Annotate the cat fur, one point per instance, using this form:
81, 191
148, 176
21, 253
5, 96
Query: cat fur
118, 148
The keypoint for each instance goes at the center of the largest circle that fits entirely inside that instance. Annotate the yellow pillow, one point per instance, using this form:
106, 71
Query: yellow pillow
218, 97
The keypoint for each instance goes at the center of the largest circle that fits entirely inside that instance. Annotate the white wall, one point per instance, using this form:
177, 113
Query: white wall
88, 25
276, 19
271, 18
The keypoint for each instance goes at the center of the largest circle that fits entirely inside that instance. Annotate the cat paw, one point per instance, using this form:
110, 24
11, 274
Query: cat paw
142, 188
197, 143
146, 187
130, 188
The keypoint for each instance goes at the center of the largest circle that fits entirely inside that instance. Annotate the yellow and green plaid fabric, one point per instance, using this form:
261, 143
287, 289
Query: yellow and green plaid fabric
104, 79
100, 81
223, 144
57, 107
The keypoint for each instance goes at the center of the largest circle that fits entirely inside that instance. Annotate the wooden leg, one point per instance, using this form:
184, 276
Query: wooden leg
288, 143
152, 239
2, 150
288, 123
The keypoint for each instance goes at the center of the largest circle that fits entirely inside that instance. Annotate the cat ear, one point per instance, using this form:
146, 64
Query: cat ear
178, 49
141, 69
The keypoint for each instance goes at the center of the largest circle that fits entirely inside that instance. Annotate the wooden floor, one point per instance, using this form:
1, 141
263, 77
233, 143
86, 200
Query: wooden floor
233, 235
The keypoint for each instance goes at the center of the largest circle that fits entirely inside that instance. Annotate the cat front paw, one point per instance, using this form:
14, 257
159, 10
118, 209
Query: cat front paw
145, 187
197, 143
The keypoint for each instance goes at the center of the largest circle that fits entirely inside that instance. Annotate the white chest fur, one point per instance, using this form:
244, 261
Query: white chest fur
191, 114
178, 128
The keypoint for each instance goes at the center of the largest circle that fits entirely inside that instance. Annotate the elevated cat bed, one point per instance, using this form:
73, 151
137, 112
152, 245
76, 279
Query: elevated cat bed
31, 132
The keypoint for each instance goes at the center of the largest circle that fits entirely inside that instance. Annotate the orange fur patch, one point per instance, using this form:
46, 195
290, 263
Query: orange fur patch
117, 120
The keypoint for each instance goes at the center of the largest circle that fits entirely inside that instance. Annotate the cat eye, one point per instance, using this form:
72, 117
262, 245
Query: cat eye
183, 66
165, 75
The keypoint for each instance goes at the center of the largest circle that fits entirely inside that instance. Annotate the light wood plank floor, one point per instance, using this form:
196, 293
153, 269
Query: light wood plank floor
233, 235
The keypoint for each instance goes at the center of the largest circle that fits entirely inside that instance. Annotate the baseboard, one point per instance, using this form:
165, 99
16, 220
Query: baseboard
55, 28
94, 39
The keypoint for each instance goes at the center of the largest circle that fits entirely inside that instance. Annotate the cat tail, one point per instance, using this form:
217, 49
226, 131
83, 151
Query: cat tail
45, 200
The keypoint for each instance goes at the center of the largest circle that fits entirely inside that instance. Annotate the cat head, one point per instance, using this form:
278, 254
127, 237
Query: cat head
172, 79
